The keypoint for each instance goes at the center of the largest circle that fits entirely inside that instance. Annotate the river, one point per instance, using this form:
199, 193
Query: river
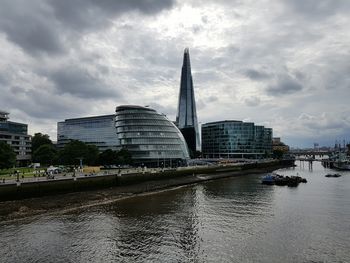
228, 220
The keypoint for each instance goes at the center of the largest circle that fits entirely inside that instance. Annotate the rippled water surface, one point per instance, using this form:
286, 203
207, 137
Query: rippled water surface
228, 220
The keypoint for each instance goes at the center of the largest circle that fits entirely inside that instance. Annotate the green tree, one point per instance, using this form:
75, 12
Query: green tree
278, 154
45, 154
108, 157
74, 150
7, 156
40, 139
124, 157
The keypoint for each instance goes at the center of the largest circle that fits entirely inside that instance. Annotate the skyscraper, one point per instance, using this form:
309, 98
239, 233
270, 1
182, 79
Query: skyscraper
186, 118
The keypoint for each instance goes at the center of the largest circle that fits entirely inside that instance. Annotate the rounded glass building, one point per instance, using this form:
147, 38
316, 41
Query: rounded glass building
150, 137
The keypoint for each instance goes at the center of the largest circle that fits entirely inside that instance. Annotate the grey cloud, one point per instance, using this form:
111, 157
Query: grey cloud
168, 110
284, 85
211, 99
252, 101
41, 104
45, 26
81, 83
81, 14
324, 122
318, 8
30, 26
256, 75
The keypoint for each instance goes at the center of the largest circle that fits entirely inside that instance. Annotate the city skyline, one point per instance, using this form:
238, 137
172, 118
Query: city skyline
281, 64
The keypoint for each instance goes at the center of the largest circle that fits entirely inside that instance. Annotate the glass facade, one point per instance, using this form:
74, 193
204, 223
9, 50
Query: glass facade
235, 139
16, 135
151, 138
186, 118
98, 130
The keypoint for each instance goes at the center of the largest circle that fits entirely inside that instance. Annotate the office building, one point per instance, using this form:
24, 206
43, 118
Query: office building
97, 130
186, 119
150, 137
235, 139
16, 135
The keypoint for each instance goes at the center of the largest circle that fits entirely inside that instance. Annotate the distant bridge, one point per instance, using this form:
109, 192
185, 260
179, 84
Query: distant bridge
310, 152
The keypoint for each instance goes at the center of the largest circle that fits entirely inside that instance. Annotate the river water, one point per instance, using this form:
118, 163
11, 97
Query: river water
227, 220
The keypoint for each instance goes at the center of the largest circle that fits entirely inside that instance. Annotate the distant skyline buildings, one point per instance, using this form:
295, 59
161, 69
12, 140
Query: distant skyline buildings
186, 118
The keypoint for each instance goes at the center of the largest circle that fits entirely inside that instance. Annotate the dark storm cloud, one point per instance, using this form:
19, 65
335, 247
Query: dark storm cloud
81, 83
31, 26
82, 13
41, 104
46, 26
284, 85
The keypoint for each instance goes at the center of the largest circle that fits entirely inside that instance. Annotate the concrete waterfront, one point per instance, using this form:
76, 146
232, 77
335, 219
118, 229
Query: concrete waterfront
67, 194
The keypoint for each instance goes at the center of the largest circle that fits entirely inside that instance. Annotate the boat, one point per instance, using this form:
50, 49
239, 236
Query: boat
342, 165
332, 175
293, 181
268, 179
341, 162
281, 180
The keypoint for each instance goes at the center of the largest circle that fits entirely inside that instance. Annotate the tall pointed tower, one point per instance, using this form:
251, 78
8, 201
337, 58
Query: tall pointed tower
186, 118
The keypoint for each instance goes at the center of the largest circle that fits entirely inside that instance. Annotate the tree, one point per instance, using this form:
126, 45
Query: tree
75, 150
40, 139
45, 154
124, 157
7, 156
108, 157
278, 153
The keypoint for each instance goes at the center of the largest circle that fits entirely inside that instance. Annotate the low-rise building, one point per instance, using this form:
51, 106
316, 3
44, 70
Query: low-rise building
16, 135
235, 139
278, 145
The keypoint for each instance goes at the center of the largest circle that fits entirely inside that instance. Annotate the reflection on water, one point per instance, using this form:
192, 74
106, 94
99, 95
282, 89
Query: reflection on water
229, 220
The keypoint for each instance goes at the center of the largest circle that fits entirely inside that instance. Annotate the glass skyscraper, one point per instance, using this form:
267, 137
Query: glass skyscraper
236, 139
150, 137
186, 119
97, 130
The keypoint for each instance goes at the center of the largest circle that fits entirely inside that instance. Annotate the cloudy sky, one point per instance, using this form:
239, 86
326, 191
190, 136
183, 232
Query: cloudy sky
284, 64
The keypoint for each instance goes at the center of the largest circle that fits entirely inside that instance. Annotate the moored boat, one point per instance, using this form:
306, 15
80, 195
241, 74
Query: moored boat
268, 179
341, 162
332, 175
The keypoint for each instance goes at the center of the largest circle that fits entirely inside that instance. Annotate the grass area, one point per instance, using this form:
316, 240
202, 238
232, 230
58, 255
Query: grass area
20, 169
25, 171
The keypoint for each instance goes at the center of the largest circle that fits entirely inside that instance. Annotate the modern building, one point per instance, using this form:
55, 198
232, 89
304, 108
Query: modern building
16, 135
278, 145
150, 137
97, 130
186, 119
235, 139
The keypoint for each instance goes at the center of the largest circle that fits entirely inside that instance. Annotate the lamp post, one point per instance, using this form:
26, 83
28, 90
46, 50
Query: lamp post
80, 162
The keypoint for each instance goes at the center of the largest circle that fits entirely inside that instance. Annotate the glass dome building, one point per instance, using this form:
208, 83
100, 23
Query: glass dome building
150, 137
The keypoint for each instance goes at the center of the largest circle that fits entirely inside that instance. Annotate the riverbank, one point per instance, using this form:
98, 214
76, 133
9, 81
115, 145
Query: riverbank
62, 203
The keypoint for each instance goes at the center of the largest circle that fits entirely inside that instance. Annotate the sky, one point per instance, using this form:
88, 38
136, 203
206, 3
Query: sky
284, 64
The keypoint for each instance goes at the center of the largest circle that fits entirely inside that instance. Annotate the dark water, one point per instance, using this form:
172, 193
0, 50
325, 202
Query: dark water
228, 220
